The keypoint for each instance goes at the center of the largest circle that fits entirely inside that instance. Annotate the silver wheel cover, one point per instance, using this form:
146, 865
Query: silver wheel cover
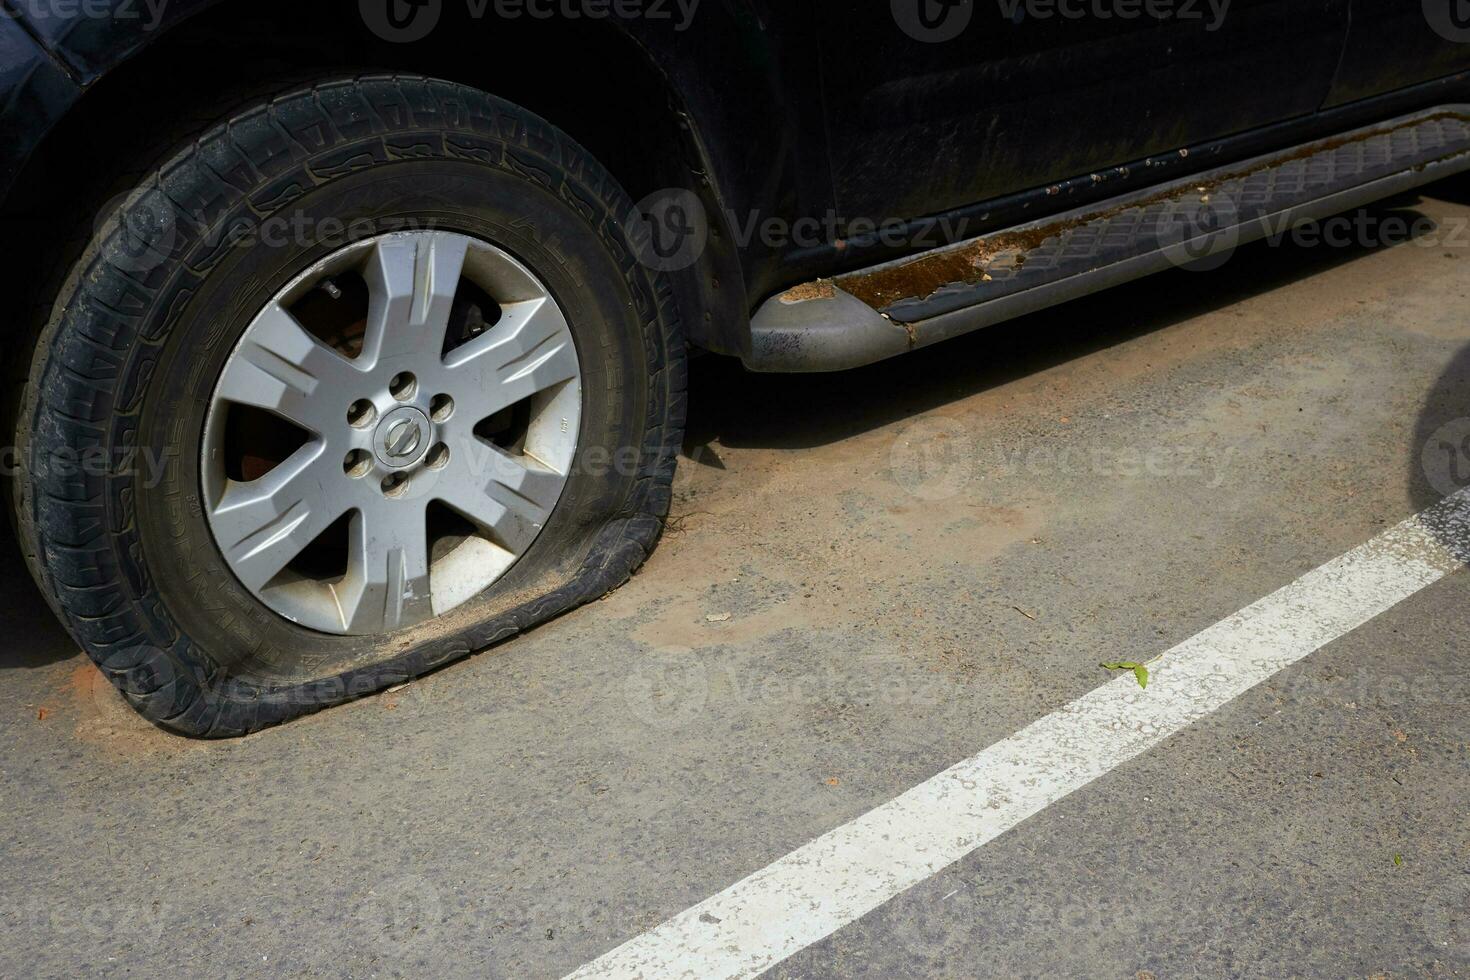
391, 431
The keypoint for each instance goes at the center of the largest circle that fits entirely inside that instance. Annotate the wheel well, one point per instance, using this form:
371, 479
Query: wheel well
588, 77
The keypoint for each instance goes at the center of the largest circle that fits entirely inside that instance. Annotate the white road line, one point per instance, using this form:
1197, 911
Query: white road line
821, 887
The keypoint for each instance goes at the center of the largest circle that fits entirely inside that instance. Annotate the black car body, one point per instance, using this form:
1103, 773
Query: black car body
822, 110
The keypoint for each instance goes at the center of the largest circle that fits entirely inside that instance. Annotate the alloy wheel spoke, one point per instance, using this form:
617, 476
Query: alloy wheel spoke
263, 525
283, 369
529, 351
387, 585
412, 282
506, 496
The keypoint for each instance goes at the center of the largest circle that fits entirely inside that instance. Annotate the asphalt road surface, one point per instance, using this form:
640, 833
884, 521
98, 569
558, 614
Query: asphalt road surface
870, 578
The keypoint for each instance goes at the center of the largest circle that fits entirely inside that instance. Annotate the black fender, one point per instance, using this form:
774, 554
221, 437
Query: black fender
741, 76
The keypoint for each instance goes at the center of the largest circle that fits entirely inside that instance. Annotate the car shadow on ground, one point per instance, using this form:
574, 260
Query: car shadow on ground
33, 637
742, 409
1439, 458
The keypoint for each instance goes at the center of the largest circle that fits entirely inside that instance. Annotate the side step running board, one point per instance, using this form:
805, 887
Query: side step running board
866, 316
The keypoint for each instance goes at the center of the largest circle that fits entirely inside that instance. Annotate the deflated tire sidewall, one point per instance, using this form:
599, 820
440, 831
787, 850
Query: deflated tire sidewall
183, 638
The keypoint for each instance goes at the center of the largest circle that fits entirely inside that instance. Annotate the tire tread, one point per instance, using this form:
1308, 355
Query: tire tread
93, 572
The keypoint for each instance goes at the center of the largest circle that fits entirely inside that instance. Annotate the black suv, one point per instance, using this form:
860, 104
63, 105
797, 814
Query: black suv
353, 334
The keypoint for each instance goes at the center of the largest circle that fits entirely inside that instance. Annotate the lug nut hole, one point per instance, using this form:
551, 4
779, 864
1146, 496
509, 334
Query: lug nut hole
395, 485
438, 457
362, 414
358, 464
403, 386
441, 408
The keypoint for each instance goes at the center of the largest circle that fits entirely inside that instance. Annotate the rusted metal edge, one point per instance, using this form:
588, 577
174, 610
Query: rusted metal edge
973, 262
854, 319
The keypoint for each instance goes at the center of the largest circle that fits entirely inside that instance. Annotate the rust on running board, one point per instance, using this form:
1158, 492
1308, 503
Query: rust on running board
966, 265
820, 289
927, 274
